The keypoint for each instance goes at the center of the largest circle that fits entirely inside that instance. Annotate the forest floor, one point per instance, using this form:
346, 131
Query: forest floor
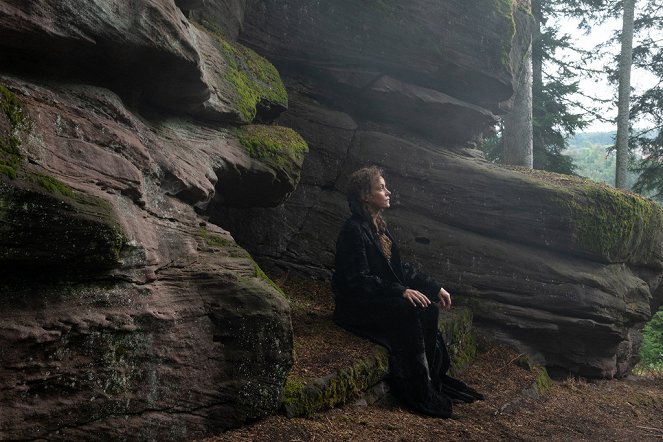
572, 409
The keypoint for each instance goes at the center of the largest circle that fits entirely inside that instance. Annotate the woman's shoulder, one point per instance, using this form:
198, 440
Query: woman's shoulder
354, 225
353, 222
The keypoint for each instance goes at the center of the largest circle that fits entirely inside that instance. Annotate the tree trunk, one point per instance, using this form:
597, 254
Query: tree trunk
517, 135
623, 103
537, 77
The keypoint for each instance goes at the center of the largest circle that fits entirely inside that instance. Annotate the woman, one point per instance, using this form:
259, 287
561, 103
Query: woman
383, 299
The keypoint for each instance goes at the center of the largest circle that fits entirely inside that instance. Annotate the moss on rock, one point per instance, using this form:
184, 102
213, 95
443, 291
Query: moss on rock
456, 328
276, 145
52, 185
304, 398
13, 121
542, 381
505, 8
255, 81
612, 223
46, 224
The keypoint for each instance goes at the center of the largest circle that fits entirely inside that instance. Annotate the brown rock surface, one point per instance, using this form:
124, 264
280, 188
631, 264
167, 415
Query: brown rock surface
124, 313
146, 50
564, 269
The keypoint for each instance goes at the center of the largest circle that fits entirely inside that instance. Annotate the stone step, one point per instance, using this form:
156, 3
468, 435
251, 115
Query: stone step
304, 396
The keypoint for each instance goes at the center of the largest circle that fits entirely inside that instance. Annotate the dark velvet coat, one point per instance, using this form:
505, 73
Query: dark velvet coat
362, 270
368, 291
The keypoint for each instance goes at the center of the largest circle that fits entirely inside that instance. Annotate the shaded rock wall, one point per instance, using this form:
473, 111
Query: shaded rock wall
124, 312
564, 269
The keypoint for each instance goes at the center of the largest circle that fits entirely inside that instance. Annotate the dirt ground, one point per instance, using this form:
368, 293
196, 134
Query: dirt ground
571, 409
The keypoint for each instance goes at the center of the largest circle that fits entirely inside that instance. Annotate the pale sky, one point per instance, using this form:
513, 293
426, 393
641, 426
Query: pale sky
640, 80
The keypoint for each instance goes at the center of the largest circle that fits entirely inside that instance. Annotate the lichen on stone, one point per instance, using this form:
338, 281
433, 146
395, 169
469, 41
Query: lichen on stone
254, 80
301, 398
505, 8
52, 185
262, 275
214, 240
13, 121
274, 145
456, 328
612, 223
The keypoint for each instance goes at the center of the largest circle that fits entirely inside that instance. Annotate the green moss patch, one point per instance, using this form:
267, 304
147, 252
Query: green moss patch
262, 275
505, 8
275, 145
13, 121
52, 185
542, 381
301, 397
254, 80
49, 226
213, 240
456, 328
613, 223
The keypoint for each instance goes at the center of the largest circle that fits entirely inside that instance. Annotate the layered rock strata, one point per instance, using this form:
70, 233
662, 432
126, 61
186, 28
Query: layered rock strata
127, 314
566, 270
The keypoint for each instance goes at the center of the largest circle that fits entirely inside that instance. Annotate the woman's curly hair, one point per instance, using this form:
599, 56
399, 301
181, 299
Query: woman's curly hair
358, 188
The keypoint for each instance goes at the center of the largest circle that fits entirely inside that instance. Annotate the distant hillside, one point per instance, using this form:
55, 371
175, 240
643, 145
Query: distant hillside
600, 138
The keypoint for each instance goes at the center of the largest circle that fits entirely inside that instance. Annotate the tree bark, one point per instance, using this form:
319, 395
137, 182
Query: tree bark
537, 75
517, 135
623, 103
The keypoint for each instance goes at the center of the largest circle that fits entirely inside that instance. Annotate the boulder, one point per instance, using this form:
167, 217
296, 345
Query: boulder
440, 68
125, 314
147, 51
562, 268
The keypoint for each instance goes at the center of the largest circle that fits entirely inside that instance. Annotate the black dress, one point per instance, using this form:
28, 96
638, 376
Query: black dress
368, 291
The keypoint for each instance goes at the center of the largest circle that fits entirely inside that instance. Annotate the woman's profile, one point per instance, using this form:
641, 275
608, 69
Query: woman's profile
380, 297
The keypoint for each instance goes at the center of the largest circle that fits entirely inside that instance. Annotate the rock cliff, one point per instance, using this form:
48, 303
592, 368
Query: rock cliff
126, 314
564, 269
131, 131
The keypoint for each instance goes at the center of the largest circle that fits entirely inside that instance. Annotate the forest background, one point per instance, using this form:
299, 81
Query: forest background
595, 64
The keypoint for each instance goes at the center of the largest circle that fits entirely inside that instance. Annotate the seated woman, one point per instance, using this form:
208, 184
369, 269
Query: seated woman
379, 297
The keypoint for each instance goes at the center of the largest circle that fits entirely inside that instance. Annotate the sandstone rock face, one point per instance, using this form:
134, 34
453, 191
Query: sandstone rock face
146, 49
565, 270
130, 130
439, 68
125, 313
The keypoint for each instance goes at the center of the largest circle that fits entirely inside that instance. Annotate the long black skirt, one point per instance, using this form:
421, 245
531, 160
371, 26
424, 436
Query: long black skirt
418, 357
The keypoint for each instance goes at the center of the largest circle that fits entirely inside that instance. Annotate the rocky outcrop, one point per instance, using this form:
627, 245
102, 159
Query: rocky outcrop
147, 50
126, 314
130, 131
564, 269
120, 303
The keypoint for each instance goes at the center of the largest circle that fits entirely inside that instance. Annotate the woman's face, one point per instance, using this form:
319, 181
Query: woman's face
378, 198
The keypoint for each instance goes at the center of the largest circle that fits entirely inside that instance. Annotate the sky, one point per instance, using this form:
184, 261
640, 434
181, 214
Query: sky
640, 79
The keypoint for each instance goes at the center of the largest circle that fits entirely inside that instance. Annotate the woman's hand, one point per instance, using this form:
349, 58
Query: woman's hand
416, 298
445, 298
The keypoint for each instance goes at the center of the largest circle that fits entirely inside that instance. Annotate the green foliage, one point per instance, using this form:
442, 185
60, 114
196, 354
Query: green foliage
554, 119
651, 352
594, 158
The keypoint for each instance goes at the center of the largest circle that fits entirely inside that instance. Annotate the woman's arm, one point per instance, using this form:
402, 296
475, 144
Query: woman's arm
427, 285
